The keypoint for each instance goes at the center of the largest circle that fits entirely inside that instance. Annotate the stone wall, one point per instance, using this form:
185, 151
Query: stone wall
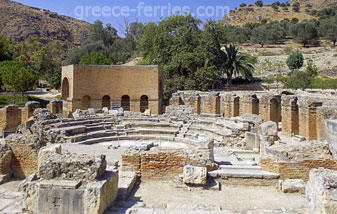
295, 162
25, 153
161, 164
5, 160
303, 115
321, 191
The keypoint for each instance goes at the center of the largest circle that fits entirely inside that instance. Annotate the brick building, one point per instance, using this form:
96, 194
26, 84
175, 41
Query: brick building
134, 88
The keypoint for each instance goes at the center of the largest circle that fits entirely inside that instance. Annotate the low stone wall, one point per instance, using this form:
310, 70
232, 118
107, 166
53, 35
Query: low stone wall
296, 162
161, 164
25, 153
321, 191
70, 166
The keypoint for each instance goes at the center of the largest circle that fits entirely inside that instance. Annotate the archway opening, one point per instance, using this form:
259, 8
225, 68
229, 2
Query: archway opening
144, 103
106, 102
65, 89
125, 103
86, 102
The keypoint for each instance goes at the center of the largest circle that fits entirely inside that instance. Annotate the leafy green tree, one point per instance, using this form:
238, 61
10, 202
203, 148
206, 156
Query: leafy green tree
55, 80
298, 80
305, 32
105, 40
45, 59
95, 58
260, 35
101, 38
5, 52
236, 34
243, 5
259, 3
191, 57
237, 63
268, 34
17, 77
295, 60
328, 29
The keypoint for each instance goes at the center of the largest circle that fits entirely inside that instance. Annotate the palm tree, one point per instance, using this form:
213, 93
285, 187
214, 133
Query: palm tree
237, 63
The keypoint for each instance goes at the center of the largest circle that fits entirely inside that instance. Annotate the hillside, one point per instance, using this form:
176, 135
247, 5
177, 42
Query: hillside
251, 14
20, 21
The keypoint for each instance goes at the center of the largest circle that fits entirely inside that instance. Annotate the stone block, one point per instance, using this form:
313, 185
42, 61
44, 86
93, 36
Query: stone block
268, 128
321, 191
5, 159
293, 186
250, 140
195, 175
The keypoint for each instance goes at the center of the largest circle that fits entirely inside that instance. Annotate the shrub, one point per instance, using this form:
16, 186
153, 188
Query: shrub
259, 3
298, 80
295, 60
243, 5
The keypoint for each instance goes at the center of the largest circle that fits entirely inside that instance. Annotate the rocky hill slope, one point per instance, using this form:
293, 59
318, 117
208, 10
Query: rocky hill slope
251, 14
20, 21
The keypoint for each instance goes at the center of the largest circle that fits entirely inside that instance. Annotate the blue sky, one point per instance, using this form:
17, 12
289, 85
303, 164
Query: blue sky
114, 11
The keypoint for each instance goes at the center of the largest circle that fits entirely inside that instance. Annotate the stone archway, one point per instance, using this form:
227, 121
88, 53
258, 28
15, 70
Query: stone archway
86, 102
106, 102
65, 89
144, 103
125, 103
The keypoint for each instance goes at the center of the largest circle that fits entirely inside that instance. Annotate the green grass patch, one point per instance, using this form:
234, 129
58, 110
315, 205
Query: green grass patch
7, 99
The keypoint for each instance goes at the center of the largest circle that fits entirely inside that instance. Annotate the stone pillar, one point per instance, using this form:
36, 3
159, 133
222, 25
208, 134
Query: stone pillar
270, 108
250, 104
308, 118
10, 119
195, 102
55, 106
231, 106
290, 121
213, 104
28, 111
176, 100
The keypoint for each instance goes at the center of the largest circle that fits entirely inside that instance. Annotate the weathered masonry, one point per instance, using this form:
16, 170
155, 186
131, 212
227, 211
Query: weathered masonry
300, 115
134, 88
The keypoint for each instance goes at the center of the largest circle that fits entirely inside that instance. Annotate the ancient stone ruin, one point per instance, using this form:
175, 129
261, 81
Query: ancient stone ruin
105, 161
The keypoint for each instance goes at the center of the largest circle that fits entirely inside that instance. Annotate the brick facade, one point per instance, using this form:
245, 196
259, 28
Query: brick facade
104, 86
160, 164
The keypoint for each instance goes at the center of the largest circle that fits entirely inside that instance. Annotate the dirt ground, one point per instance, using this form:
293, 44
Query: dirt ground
164, 194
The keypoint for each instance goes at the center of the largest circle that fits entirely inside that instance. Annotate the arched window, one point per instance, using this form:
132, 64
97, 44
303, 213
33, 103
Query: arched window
144, 103
125, 103
65, 89
106, 102
86, 102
